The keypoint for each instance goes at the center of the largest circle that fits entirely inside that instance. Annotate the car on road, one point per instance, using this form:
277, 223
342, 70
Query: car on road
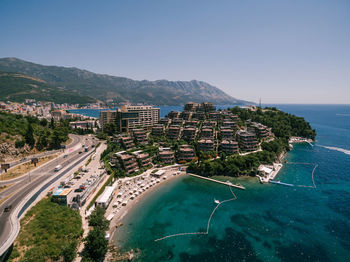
80, 152
78, 190
65, 156
57, 168
8, 208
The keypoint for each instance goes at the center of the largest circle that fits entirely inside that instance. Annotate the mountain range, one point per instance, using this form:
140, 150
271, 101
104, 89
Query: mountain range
101, 87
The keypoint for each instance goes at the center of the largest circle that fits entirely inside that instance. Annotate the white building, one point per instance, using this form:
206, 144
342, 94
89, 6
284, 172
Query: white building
106, 197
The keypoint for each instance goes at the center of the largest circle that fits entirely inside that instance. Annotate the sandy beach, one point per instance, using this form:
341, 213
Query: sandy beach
126, 187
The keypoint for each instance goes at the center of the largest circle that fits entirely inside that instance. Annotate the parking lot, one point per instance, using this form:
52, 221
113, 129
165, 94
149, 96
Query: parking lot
83, 182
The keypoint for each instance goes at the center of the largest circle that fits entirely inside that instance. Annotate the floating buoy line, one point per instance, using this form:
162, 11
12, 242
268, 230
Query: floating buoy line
312, 174
218, 203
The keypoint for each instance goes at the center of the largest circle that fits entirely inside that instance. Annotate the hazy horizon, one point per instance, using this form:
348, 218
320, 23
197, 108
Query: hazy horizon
282, 52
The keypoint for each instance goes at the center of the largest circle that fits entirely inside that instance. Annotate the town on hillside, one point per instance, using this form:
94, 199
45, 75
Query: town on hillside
198, 129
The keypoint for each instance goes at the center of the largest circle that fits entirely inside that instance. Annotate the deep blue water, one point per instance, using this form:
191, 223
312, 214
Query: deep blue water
266, 222
164, 110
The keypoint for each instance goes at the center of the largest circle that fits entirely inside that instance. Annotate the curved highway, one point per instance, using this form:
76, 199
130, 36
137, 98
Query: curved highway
75, 141
26, 184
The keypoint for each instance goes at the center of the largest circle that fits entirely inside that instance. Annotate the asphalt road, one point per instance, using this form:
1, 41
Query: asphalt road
25, 185
75, 140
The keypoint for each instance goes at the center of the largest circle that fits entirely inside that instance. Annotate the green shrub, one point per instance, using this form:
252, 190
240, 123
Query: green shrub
19, 143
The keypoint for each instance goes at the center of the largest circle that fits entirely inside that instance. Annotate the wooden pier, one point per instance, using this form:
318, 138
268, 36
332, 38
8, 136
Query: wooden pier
217, 181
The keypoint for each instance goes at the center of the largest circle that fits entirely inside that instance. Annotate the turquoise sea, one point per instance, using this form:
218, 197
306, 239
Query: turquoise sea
266, 222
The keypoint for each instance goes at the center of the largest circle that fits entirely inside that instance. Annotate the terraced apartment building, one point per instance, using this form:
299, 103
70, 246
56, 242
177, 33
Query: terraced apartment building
131, 116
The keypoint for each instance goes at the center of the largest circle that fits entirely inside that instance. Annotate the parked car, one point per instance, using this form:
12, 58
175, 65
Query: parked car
78, 190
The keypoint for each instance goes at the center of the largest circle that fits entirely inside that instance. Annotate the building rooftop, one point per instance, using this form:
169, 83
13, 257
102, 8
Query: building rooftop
124, 156
245, 133
106, 194
207, 141
168, 152
62, 192
227, 142
186, 149
143, 155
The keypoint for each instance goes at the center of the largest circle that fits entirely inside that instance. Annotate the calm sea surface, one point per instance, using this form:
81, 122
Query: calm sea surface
266, 222
164, 110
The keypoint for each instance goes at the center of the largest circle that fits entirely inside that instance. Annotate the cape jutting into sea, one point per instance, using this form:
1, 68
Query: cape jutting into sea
267, 222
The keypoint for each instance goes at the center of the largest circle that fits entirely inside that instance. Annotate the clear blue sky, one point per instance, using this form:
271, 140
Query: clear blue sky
282, 51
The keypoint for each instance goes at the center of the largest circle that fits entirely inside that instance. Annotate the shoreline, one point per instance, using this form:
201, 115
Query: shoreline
271, 171
118, 217
119, 214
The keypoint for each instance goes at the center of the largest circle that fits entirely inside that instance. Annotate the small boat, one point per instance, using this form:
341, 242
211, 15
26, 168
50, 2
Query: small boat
216, 201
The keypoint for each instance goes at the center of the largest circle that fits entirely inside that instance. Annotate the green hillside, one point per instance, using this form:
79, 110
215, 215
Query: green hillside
18, 87
121, 89
31, 131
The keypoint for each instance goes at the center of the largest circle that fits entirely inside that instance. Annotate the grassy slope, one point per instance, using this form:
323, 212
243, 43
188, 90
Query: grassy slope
18, 87
46, 230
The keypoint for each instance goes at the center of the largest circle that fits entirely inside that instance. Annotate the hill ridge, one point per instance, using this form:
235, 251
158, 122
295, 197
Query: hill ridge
121, 89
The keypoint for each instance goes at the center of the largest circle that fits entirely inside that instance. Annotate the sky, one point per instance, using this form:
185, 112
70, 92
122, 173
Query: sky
279, 51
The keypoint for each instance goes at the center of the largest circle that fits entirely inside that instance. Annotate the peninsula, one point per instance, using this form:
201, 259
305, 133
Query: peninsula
139, 152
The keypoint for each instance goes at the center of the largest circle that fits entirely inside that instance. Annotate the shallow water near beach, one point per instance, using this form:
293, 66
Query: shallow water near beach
266, 222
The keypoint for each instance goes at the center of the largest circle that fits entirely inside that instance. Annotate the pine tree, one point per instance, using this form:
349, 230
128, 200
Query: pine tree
29, 137
52, 123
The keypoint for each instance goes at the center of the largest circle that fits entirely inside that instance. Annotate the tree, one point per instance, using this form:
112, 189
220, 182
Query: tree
42, 141
69, 251
96, 245
20, 143
55, 141
110, 129
97, 219
43, 122
223, 156
52, 123
29, 137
